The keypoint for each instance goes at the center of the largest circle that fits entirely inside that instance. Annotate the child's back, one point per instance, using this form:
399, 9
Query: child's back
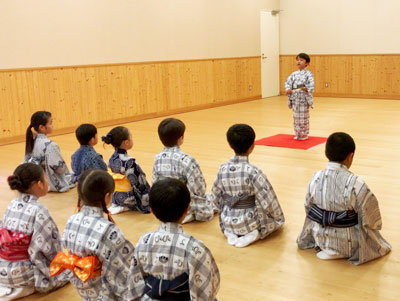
343, 218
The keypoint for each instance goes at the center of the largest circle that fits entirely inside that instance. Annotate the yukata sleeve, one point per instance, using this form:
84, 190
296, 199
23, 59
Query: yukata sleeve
97, 162
268, 207
45, 244
367, 206
215, 196
309, 200
136, 283
115, 254
288, 85
204, 278
194, 177
310, 85
137, 178
55, 161
154, 172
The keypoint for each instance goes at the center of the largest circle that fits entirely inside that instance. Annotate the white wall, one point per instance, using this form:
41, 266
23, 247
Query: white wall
39, 33
340, 26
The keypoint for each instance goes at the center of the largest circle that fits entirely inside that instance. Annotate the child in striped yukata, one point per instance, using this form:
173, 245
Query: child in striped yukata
173, 163
168, 264
29, 238
86, 157
299, 87
97, 250
342, 214
249, 208
136, 195
45, 152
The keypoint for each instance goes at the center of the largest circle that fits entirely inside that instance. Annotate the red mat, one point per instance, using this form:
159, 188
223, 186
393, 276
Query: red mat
283, 140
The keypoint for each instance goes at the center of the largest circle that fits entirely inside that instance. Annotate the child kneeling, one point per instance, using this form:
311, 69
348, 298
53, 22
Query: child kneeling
343, 218
169, 264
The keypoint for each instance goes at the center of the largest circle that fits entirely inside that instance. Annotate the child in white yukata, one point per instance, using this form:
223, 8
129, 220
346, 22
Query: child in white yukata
249, 208
173, 163
342, 214
29, 238
136, 195
299, 87
86, 157
42, 151
168, 264
98, 252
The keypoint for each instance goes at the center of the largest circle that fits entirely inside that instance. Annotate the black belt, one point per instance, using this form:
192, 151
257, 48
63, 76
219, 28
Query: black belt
243, 201
344, 219
170, 290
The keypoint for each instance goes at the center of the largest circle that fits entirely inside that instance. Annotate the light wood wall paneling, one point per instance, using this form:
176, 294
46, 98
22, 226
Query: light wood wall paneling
112, 94
369, 76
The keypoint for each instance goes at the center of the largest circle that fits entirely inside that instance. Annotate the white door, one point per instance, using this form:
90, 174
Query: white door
269, 23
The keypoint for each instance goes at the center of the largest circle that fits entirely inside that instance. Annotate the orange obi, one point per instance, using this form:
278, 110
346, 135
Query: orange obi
122, 183
14, 245
84, 268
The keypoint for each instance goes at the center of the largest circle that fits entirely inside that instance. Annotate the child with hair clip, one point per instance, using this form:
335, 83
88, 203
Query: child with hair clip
98, 252
132, 188
45, 152
29, 238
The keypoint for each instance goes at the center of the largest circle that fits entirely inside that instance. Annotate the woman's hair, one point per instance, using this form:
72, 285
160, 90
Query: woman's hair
116, 136
93, 186
37, 119
24, 176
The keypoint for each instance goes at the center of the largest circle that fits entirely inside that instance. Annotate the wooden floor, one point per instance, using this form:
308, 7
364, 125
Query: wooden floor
271, 269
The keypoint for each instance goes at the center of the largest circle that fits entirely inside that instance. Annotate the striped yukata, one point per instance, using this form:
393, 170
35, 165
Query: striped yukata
138, 197
167, 254
337, 189
300, 101
239, 179
173, 163
26, 215
47, 154
89, 233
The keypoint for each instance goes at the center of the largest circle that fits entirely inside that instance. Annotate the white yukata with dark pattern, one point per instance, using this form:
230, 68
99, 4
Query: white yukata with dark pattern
138, 197
337, 189
89, 233
26, 215
238, 177
173, 163
47, 154
168, 253
300, 101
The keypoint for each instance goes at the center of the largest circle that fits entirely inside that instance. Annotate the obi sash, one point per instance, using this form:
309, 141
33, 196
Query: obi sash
14, 245
243, 201
84, 268
344, 219
175, 289
122, 183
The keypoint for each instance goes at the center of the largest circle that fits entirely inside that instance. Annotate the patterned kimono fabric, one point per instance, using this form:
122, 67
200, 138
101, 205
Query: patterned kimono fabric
138, 197
26, 217
300, 101
173, 163
47, 153
246, 199
339, 192
168, 263
86, 158
88, 233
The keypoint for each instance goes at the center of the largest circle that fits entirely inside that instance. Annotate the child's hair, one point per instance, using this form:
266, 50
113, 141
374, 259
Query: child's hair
85, 132
37, 119
339, 146
170, 130
93, 186
116, 136
304, 56
240, 137
24, 176
169, 198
